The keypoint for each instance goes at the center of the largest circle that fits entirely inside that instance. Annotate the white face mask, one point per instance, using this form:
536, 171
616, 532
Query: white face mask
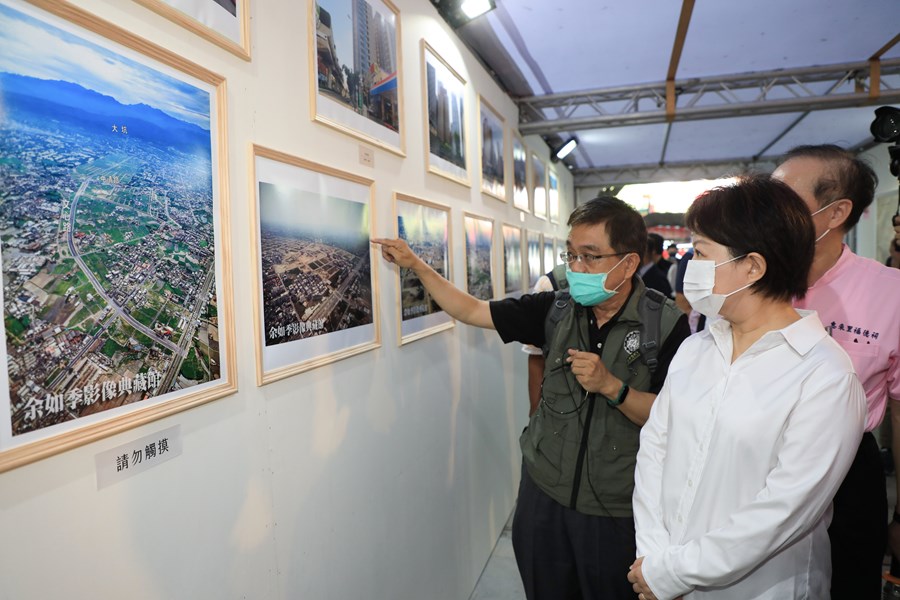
699, 281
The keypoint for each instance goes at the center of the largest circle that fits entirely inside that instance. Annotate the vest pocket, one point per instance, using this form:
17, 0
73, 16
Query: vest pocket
543, 446
612, 459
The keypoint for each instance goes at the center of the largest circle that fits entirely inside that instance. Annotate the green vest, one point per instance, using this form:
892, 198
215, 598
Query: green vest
551, 445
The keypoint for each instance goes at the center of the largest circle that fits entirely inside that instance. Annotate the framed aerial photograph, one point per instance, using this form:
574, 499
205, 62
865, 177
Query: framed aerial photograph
355, 70
553, 197
493, 151
538, 187
225, 23
479, 256
444, 94
315, 300
534, 254
117, 276
513, 276
520, 171
549, 254
425, 226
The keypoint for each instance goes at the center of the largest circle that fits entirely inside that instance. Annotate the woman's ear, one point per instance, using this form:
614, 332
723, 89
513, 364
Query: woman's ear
756, 266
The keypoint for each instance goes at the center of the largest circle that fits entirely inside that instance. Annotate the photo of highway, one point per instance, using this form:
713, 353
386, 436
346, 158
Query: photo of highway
107, 229
316, 267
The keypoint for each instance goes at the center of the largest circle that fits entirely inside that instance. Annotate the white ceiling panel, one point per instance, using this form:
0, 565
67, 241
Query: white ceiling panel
587, 44
737, 37
717, 139
844, 127
639, 144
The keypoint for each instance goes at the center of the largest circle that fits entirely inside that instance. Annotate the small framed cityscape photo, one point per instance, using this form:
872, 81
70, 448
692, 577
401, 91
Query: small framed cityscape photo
553, 197
117, 276
538, 187
479, 233
549, 254
316, 298
513, 275
426, 228
225, 23
444, 95
534, 255
355, 70
520, 172
492, 149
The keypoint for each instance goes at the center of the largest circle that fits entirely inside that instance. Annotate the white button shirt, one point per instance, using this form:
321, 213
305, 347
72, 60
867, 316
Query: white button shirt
739, 463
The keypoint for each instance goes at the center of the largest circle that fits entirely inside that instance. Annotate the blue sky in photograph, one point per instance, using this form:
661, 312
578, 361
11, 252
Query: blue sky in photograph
342, 29
423, 223
283, 206
37, 49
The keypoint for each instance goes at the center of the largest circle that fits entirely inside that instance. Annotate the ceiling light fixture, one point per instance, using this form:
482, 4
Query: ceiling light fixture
566, 149
476, 8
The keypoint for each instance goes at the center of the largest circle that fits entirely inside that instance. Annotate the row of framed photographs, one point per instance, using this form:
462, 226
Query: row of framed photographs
364, 99
360, 92
317, 298
115, 212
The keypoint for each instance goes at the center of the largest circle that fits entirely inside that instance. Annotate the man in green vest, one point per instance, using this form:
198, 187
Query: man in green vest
573, 531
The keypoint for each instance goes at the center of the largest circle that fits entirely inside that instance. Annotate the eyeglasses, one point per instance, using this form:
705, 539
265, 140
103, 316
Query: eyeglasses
586, 259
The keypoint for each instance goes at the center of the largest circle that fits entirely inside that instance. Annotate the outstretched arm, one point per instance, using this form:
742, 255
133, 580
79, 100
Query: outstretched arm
454, 301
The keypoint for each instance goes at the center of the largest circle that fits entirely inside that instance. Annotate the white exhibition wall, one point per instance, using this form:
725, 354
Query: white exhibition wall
387, 475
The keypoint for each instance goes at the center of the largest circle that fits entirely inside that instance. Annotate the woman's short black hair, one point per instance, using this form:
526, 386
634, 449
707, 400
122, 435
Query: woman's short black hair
763, 215
624, 225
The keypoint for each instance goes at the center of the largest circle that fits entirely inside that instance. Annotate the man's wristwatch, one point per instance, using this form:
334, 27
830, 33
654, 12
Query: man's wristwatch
620, 398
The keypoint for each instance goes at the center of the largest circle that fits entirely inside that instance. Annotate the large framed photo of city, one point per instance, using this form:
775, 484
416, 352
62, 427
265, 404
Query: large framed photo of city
426, 228
225, 23
315, 300
479, 256
520, 171
355, 69
113, 211
513, 275
538, 187
444, 95
493, 151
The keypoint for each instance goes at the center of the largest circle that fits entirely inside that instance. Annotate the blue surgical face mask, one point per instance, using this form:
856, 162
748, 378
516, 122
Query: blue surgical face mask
589, 289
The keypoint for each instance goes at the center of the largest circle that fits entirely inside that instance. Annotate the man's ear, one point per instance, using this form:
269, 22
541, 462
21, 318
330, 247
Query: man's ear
632, 263
839, 212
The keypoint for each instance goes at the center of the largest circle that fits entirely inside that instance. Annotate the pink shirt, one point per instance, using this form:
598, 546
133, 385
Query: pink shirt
858, 299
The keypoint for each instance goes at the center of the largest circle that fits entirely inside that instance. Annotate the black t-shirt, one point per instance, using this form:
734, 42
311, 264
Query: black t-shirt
522, 320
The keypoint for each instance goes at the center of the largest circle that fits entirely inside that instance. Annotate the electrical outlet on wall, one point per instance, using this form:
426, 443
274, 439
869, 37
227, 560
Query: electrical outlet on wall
366, 156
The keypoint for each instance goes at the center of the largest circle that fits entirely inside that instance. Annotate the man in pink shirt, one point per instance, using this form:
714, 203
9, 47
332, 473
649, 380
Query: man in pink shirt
858, 299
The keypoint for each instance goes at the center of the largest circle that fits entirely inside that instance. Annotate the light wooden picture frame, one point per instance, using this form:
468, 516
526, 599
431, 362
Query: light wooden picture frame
315, 282
492, 150
520, 174
225, 23
538, 187
479, 249
534, 257
513, 273
356, 70
128, 317
445, 118
426, 227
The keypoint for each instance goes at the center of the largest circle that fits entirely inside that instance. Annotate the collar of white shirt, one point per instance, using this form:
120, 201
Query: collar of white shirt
801, 335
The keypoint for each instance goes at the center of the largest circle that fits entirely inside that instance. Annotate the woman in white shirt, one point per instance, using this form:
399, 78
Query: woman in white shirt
758, 421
